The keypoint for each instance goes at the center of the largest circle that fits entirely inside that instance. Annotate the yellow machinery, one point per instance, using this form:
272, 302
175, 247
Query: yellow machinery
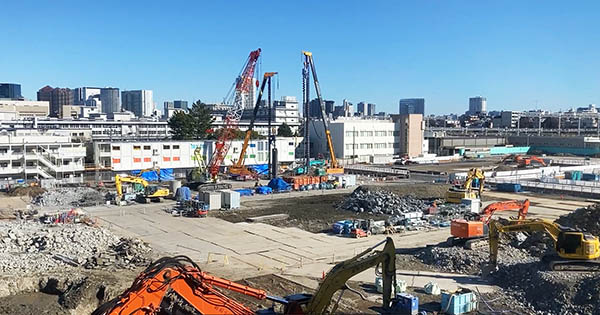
334, 167
239, 168
143, 189
576, 250
336, 279
455, 195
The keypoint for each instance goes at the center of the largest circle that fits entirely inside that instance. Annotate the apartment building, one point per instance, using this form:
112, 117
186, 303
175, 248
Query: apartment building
35, 155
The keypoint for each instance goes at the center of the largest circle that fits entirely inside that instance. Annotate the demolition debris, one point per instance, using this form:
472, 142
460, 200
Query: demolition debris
31, 247
70, 197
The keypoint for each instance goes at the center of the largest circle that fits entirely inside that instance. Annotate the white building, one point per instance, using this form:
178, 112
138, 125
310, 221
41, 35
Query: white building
18, 109
357, 140
477, 105
139, 102
32, 154
179, 155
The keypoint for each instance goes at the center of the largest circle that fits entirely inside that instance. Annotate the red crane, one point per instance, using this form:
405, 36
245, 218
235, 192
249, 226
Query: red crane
243, 84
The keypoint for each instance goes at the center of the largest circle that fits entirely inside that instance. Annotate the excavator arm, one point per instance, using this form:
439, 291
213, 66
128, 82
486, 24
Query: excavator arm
473, 174
342, 272
175, 285
522, 206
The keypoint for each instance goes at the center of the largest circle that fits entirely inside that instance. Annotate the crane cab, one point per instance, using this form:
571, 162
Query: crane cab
577, 245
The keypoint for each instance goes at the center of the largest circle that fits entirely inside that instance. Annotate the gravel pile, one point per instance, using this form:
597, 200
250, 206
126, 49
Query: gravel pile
382, 202
31, 247
457, 259
586, 219
70, 197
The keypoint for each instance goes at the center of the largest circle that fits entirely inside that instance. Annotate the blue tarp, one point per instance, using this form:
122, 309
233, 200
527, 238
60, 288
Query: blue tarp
183, 193
263, 190
165, 174
260, 168
245, 192
278, 184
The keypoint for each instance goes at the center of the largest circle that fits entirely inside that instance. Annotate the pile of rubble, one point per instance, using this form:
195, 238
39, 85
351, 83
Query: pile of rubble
382, 202
70, 197
31, 247
586, 219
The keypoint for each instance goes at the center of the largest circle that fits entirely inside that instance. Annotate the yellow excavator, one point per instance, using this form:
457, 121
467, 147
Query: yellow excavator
144, 190
455, 195
575, 250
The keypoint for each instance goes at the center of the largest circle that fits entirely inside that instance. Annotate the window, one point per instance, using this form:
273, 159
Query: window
290, 143
166, 147
390, 133
16, 164
137, 147
175, 158
396, 133
116, 148
146, 147
137, 160
147, 159
176, 147
166, 159
116, 161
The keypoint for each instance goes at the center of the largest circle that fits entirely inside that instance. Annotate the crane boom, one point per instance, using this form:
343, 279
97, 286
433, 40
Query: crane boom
334, 167
234, 114
239, 168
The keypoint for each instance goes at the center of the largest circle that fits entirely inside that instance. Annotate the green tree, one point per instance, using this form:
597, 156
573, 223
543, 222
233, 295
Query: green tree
195, 124
284, 131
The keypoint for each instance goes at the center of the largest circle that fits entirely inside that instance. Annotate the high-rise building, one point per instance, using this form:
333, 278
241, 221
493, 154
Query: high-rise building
315, 108
361, 108
139, 102
371, 109
348, 108
57, 97
111, 101
412, 106
180, 104
477, 105
10, 91
83, 94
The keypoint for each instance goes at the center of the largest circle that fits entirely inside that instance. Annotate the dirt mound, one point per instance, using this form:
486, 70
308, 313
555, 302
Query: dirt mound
586, 219
26, 191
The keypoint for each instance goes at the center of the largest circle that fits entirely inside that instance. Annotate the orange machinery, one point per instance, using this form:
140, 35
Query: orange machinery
177, 284
464, 230
524, 161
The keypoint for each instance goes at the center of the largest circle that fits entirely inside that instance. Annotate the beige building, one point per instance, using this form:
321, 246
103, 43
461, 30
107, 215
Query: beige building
411, 134
15, 109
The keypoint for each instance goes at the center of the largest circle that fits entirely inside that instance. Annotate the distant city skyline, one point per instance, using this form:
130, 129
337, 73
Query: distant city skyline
519, 55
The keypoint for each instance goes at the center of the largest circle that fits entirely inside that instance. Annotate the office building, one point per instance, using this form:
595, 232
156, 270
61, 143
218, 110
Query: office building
361, 108
10, 91
110, 99
371, 109
412, 106
477, 105
57, 97
315, 108
82, 94
169, 109
139, 102
18, 109
180, 104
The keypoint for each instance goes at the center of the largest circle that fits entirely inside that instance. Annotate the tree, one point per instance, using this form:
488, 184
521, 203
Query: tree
284, 131
196, 124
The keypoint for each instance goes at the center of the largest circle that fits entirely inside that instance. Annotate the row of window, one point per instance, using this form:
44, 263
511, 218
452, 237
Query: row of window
372, 145
367, 133
146, 147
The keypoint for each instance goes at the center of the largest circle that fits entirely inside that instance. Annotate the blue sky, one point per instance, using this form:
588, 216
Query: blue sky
516, 53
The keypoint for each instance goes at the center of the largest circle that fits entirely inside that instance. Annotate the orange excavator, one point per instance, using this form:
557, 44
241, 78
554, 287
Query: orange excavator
524, 161
175, 285
470, 232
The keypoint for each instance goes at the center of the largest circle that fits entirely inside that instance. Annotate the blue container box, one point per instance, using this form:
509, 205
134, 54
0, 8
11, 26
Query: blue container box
406, 304
460, 302
509, 187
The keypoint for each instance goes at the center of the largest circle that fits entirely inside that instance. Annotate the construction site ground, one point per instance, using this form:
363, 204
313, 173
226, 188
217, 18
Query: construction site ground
288, 256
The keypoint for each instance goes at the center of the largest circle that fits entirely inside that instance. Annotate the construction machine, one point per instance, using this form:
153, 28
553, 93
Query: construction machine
144, 191
575, 250
457, 194
474, 230
334, 167
523, 161
238, 169
199, 178
242, 86
177, 286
